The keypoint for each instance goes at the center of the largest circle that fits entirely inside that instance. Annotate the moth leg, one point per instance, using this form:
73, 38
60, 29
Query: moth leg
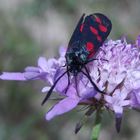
76, 85
89, 77
68, 74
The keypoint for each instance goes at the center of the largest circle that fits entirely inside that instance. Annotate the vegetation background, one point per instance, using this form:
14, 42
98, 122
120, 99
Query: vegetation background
33, 28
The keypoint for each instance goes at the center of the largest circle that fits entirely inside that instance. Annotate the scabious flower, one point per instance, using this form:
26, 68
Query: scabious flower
116, 72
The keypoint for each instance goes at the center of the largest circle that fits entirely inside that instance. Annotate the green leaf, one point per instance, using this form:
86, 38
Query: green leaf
97, 127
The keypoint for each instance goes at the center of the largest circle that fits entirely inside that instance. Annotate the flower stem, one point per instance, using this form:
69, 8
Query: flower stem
97, 126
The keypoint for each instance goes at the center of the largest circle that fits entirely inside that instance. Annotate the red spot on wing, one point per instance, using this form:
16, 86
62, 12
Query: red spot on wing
99, 38
94, 30
98, 20
81, 27
102, 28
90, 46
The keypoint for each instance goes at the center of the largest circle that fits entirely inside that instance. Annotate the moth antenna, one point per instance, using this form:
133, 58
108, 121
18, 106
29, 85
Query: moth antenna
51, 89
96, 59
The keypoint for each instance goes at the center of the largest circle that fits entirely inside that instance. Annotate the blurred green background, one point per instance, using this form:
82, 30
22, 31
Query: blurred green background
33, 28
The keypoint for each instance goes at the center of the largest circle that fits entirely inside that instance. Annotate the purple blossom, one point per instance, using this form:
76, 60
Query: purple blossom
118, 77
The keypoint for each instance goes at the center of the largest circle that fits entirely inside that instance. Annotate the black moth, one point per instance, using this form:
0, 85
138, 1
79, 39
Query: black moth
88, 36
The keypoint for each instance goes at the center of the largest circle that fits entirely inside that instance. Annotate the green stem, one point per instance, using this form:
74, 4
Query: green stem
97, 126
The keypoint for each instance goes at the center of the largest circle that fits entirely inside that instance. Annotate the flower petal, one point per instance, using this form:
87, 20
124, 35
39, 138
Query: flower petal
13, 76
32, 69
108, 99
32, 75
135, 99
42, 63
62, 51
62, 84
63, 106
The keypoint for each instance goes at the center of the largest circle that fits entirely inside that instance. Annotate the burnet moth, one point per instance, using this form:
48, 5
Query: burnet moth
89, 34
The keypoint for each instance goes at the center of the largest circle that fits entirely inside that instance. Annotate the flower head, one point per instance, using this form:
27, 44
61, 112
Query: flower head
116, 72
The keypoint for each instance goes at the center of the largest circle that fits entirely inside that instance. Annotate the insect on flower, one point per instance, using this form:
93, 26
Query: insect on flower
88, 36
